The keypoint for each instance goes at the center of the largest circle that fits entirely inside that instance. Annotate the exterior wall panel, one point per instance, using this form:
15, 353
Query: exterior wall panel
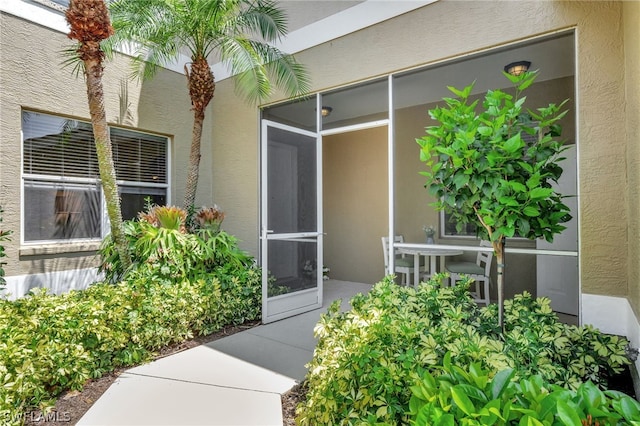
430, 35
631, 13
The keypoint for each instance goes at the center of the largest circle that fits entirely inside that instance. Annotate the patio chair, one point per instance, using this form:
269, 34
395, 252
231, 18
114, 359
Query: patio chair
403, 263
479, 271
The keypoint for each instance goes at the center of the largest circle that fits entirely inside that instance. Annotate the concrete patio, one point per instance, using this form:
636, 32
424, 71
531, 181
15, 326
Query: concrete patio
237, 380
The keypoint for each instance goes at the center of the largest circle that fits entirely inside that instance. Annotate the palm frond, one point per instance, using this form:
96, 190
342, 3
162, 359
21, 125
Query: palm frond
72, 60
150, 29
264, 19
238, 30
288, 74
250, 77
259, 68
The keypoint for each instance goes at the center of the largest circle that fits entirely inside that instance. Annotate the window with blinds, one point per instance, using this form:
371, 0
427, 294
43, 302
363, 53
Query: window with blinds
61, 180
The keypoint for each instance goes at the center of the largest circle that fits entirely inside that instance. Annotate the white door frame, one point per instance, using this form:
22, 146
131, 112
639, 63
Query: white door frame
286, 305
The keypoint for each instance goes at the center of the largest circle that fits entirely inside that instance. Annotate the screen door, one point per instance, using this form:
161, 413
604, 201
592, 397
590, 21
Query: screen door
291, 227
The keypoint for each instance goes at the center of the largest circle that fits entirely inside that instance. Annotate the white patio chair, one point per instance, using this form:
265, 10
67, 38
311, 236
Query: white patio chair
479, 271
403, 264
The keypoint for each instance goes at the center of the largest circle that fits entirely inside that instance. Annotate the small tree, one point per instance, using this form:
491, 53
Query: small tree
483, 172
236, 32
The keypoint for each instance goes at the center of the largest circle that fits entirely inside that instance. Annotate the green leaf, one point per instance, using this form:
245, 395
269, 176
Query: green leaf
540, 193
473, 392
517, 186
531, 211
462, 400
534, 181
500, 382
460, 180
513, 144
445, 420
567, 415
592, 394
508, 201
527, 420
456, 92
630, 408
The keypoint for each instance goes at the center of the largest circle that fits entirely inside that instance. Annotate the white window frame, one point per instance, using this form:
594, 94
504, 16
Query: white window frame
57, 181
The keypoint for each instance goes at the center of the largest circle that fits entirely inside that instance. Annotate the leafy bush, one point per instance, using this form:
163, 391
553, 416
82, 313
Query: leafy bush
52, 343
162, 247
475, 396
368, 358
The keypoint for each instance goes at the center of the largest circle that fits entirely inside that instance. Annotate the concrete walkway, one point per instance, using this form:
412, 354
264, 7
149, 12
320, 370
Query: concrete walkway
237, 380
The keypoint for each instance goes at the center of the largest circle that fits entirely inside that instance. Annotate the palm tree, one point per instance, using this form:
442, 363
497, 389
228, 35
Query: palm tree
238, 32
90, 25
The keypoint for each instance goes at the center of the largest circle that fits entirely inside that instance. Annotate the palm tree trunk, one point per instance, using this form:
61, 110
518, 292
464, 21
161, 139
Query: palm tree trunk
95, 95
201, 89
194, 160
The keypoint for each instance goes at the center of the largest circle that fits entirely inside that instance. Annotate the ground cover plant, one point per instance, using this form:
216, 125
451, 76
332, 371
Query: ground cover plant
368, 359
49, 344
474, 396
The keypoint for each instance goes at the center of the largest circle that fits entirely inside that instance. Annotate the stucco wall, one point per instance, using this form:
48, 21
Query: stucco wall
631, 13
356, 204
31, 77
429, 35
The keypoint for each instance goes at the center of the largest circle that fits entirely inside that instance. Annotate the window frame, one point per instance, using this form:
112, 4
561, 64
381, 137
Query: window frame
57, 181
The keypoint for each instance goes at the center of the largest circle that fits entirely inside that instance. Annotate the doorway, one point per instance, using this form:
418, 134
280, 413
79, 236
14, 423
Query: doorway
356, 203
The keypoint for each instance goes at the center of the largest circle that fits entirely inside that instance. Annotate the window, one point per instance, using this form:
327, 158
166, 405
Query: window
62, 194
448, 227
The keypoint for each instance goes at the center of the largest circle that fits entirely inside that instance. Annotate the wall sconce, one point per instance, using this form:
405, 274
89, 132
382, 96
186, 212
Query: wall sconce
326, 111
517, 68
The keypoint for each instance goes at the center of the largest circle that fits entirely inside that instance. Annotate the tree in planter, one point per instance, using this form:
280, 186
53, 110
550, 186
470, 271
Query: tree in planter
90, 25
235, 31
483, 172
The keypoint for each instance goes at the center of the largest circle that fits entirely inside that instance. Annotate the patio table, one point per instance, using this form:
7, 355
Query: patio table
431, 254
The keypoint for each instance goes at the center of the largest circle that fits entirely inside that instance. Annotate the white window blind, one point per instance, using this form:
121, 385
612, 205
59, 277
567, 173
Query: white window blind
139, 157
58, 147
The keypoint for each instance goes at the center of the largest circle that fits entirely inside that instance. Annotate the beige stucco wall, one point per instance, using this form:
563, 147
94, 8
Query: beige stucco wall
631, 13
31, 77
429, 35
356, 204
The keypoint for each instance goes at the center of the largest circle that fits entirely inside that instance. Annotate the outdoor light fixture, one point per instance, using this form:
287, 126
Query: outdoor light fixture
517, 68
326, 111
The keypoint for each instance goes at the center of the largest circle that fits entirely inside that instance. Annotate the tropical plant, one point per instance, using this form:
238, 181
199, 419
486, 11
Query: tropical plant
472, 395
90, 25
483, 172
162, 248
209, 219
4, 236
367, 359
238, 32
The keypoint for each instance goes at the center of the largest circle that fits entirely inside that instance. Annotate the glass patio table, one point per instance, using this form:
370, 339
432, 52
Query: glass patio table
431, 254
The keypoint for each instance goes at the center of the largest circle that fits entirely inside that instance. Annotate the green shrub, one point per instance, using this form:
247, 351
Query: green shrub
368, 358
53, 343
162, 248
476, 396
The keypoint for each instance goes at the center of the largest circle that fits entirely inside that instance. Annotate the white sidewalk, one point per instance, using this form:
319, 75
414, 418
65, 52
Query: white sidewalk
237, 380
